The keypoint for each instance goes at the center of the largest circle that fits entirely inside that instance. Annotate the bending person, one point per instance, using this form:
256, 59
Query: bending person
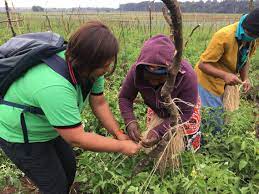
147, 77
51, 163
226, 62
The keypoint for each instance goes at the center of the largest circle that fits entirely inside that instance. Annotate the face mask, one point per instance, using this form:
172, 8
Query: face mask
247, 38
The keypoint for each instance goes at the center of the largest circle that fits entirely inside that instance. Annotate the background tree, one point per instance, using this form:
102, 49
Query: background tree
37, 9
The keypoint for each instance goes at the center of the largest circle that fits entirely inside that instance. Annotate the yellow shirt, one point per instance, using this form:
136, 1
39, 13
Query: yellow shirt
222, 52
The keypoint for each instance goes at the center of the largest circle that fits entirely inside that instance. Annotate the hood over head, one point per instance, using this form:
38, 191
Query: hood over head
158, 51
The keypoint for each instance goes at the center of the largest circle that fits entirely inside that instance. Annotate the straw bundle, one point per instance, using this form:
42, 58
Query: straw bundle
170, 157
231, 98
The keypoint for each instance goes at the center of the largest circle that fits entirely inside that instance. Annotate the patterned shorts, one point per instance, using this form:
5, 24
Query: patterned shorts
192, 127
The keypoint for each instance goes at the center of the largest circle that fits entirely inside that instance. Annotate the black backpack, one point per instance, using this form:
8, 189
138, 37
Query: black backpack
25, 51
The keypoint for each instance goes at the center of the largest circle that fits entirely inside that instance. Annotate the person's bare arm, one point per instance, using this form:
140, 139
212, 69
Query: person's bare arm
245, 78
244, 72
89, 141
102, 111
229, 78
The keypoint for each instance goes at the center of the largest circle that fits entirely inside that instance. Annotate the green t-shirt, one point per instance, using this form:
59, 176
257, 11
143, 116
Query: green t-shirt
42, 87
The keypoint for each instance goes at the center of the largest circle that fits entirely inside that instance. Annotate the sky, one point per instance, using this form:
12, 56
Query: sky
70, 3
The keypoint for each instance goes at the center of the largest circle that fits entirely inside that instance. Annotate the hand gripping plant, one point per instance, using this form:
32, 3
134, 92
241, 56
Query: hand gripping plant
172, 144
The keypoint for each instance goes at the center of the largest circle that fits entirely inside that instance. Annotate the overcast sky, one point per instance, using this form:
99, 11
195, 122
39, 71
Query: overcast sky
70, 3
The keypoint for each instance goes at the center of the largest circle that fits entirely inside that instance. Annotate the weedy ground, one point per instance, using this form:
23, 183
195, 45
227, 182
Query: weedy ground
227, 163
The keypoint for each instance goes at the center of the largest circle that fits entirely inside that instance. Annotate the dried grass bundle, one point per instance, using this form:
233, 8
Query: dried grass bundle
231, 98
170, 157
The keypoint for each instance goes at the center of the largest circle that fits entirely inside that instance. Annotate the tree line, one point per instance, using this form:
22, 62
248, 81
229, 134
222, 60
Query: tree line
210, 6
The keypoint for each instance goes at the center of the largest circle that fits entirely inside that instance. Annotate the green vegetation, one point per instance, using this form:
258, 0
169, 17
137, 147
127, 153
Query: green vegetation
228, 163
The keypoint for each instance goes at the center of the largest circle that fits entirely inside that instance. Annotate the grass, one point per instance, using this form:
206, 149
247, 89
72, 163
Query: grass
227, 164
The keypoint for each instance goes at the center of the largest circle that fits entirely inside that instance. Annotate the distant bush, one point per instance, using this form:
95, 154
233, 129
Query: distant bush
37, 9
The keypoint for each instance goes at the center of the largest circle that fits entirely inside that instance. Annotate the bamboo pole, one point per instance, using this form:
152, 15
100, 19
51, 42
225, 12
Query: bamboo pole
9, 18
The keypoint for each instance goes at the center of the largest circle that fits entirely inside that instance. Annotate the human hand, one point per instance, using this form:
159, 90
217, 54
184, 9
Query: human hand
247, 85
129, 147
231, 79
152, 139
134, 131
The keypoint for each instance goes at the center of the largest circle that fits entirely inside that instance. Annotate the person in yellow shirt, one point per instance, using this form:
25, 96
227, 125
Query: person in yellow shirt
226, 60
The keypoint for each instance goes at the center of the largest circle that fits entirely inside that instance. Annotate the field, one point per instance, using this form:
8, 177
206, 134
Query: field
228, 163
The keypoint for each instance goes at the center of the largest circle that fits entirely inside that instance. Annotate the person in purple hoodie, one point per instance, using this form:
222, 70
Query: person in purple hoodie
147, 77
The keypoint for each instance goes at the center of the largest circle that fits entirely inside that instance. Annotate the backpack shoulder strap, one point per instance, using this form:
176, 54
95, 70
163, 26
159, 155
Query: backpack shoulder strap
59, 65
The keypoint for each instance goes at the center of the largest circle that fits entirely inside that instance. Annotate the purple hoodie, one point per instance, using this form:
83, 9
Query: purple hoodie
158, 51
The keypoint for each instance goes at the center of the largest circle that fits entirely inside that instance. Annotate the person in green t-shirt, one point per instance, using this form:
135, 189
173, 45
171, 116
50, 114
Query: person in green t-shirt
51, 163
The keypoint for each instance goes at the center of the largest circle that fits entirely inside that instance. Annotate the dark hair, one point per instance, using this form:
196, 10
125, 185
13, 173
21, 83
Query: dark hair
91, 46
251, 22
